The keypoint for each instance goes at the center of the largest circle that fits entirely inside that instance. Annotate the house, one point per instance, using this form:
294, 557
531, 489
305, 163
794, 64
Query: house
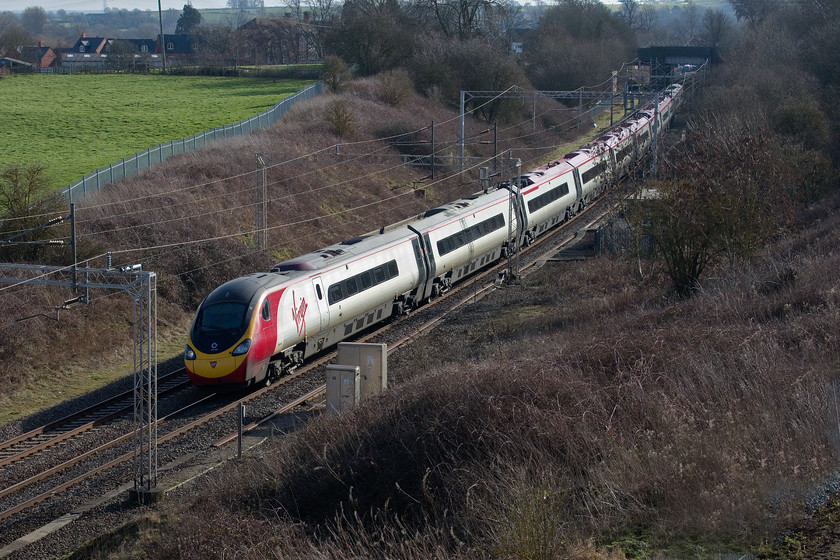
92, 53
178, 49
40, 56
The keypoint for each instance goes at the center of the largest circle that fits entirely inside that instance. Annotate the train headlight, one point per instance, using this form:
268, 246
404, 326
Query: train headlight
189, 354
242, 348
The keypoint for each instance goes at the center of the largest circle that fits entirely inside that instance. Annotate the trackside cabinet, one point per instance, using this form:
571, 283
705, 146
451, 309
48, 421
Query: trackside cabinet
372, 360
342, 388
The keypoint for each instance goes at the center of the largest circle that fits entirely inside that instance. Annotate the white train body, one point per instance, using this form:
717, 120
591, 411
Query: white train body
258, 326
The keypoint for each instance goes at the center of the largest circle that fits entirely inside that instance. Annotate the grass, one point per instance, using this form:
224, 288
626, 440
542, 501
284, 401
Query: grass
81, 378
77, 123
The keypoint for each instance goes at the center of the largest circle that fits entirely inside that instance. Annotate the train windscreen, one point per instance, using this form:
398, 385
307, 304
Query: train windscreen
219, 325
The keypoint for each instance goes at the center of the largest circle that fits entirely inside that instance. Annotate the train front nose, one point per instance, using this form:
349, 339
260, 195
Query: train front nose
210, 369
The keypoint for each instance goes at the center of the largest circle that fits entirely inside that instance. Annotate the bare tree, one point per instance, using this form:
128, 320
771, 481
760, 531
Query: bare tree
630, 12
215, 45
8, 20
374, 34
717, 28
25, 199
13, 39
754, 11
503, 18
722, 194
323, 11
647, 18
295, 7
34, 20
689, 26
460, 18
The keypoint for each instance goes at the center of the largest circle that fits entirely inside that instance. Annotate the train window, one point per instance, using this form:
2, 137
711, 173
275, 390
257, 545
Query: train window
266, 311
350, 286
547, 198
593, 172
361, 282
379, 275
335, 293
472, 233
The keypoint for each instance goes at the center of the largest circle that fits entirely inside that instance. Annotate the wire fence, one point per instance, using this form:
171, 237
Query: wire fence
132, 165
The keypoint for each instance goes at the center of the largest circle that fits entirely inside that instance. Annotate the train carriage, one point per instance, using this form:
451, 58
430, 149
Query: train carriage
548, 197
465, 235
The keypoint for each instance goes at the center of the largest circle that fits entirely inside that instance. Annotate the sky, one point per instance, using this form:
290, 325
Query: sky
94, 6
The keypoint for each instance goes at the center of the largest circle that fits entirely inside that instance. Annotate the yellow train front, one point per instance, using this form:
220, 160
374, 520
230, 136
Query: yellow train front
234, 333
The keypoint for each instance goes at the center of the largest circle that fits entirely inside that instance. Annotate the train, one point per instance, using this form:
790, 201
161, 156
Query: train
253, 329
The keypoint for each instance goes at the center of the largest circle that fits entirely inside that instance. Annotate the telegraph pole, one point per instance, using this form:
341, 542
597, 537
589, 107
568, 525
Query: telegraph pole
261, 203
162, 39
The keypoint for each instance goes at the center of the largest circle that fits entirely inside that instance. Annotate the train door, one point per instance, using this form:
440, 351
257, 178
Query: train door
268, 323
578, 187
323, 307
423, 268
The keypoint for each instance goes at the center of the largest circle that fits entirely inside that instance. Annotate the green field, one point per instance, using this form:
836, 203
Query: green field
77, 123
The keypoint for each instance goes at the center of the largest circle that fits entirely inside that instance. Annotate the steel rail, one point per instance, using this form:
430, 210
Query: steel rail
65, 435
81, 478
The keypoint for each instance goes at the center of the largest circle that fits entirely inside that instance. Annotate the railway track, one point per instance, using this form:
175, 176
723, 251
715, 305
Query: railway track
53, 433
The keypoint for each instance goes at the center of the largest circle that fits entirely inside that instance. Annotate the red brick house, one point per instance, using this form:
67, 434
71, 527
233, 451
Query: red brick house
40, 56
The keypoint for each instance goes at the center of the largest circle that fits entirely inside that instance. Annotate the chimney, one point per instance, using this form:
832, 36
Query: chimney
287, 15
40, 43
84, 34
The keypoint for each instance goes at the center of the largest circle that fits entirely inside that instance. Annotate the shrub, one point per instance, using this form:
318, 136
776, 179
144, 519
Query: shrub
397, 87
339, 115
335, 74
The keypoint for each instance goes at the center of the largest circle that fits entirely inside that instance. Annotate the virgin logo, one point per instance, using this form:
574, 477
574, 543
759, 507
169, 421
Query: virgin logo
299, 314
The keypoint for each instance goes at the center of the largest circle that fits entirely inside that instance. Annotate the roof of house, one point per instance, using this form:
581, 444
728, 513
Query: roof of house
138, 44
90, 44
34, 53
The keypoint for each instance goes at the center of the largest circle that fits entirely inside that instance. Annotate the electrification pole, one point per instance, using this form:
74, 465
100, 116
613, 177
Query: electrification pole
141, 287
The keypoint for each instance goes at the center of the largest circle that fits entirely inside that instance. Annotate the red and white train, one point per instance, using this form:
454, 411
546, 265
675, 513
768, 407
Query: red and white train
255, 328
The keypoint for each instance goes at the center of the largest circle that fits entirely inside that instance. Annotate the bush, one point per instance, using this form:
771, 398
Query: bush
339, 115
397, 87
335, 74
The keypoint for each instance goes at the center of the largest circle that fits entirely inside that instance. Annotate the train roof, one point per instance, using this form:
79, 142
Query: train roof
240, 289
328, 256
458, 208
